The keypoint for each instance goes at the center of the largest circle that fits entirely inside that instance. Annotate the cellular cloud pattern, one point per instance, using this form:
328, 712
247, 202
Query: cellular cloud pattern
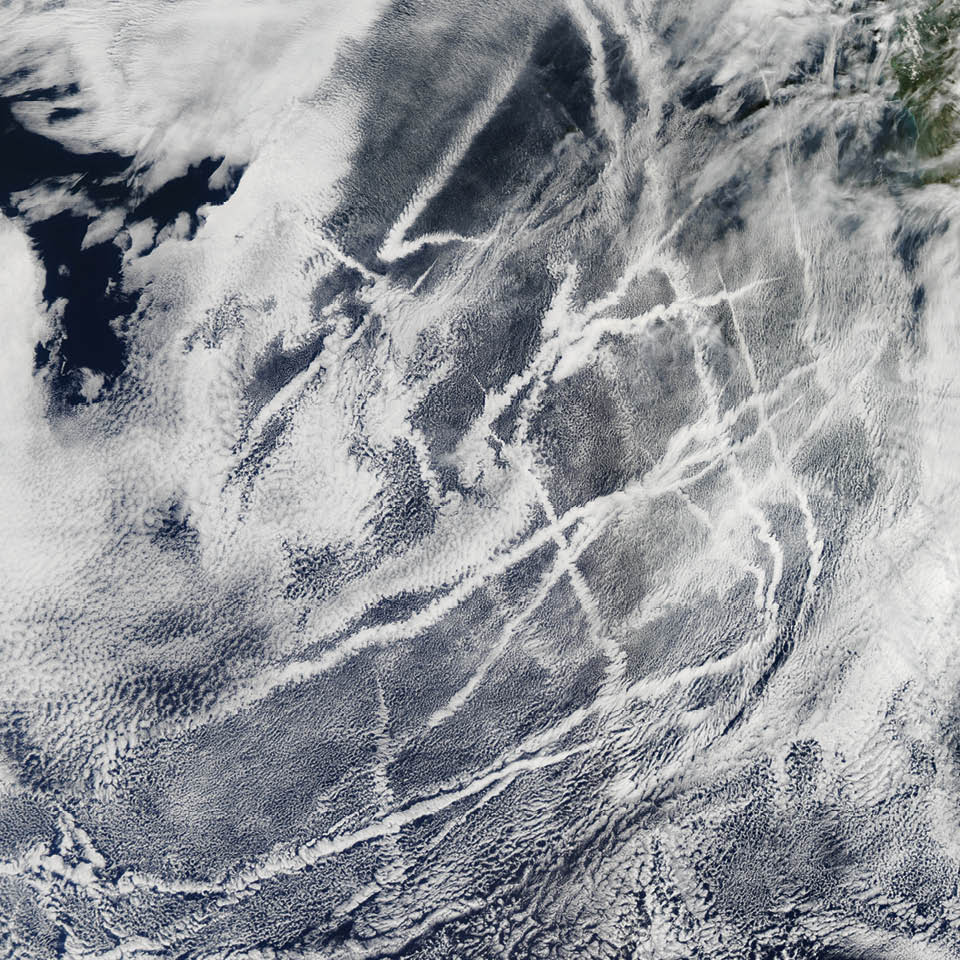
479, 480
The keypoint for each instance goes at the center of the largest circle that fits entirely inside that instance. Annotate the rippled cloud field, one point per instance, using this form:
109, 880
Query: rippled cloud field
479, 480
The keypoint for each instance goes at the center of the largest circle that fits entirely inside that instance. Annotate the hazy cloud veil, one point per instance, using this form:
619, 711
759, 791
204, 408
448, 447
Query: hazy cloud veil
479, 479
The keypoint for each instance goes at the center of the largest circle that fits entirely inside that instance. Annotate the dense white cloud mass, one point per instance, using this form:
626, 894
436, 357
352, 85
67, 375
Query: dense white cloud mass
478, 480
174, 83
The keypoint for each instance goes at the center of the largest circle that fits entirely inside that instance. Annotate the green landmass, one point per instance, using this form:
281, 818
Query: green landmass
926, 69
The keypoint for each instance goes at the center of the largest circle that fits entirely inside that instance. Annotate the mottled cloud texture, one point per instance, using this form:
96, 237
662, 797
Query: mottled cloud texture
519, 516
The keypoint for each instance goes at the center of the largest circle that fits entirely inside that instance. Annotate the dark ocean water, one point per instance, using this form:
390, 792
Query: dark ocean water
88, 277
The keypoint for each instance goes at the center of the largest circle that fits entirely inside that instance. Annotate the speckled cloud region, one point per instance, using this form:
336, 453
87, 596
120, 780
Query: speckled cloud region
478, 481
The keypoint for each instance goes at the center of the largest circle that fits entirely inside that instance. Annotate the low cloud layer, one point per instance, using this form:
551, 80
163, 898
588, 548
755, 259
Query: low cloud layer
479, 484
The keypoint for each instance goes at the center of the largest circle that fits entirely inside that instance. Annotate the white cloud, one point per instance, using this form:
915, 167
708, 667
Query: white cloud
174, 83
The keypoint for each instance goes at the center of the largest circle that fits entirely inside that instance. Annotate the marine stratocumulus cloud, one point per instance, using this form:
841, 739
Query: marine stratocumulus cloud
479, 479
